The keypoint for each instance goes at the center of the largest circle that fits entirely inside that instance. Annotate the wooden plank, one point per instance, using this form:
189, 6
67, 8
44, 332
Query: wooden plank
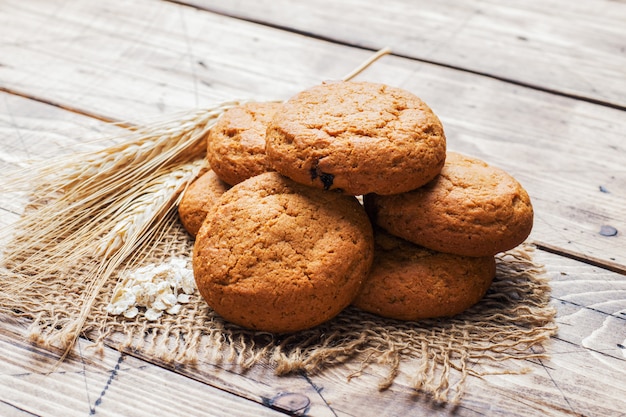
7, 409
587, 369
158, 58
564, 385
103, 383
570, 48
290, 394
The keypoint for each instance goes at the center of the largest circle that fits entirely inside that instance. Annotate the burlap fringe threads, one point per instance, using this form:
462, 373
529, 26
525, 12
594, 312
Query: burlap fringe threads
506, 327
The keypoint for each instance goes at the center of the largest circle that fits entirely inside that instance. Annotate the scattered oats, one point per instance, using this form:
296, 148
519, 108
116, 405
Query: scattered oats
153, 289
175, 309
159, 305
183, 298
131, 313
152, 314
168, 299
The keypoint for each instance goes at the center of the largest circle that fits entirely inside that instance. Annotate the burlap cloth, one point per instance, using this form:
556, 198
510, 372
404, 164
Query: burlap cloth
499, 333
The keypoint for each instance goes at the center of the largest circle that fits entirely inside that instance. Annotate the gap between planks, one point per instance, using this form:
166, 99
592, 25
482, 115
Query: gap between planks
586, 259
339, 42
13, 334
65, 107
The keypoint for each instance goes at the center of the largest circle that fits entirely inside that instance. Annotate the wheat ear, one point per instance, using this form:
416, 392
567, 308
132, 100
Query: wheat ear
102, 205
136, 223
75, 195
155, 195
92, 204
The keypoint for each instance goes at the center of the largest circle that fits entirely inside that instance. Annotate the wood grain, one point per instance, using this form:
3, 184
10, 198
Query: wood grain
573, 49
153, 63
101, 383
591, 304
588, 355
66, 66
584, 375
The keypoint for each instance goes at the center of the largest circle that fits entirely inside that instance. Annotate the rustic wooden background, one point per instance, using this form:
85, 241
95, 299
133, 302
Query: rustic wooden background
535, 87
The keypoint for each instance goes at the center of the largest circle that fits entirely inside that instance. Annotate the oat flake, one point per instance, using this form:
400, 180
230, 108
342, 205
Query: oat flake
153, 290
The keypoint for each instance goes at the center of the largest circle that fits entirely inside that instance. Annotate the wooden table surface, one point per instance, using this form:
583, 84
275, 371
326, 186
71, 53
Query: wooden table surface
537, 87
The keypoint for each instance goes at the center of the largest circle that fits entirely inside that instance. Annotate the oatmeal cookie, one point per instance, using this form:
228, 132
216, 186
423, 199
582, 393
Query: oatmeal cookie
278, 256
409, 282
198, 199
236, 144
357, 137
470, 209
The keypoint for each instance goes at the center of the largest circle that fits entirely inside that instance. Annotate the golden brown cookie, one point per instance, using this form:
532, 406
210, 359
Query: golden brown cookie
198, 199
357, 137
409, 282
279, 256
236, 144
470, 209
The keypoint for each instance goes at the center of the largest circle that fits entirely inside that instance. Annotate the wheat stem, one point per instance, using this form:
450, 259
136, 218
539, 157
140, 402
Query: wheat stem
143, 219
369, 61
76, 194
92, 211
151, 198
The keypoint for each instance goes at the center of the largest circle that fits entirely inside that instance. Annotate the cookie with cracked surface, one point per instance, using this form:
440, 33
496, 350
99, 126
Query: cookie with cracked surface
470, 209
278, 256
409, 282
358, 137
198, 199
236, 144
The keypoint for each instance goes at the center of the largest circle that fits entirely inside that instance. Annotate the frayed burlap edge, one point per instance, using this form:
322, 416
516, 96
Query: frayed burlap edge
499, 333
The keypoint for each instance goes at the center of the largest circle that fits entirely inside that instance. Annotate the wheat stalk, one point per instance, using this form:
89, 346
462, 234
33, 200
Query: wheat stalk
139, 151
131, 220
145, 213
105, 204
135, 223
369, 61
75, 194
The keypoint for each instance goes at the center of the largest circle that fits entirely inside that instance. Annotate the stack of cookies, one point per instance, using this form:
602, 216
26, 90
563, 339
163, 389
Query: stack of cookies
283, 243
